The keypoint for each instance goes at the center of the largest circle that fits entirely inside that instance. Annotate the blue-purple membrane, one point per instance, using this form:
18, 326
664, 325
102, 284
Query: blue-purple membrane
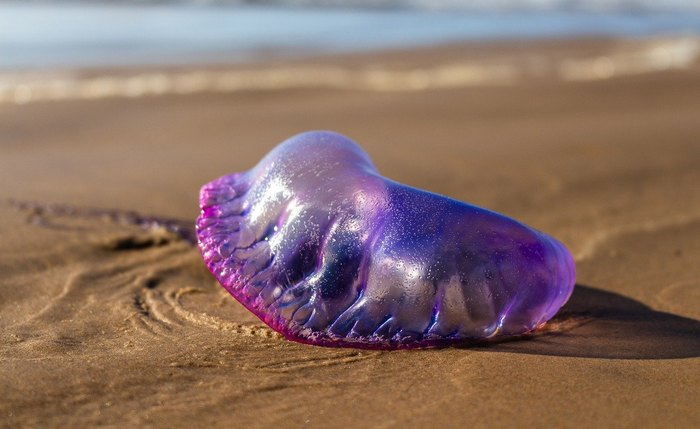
325, 250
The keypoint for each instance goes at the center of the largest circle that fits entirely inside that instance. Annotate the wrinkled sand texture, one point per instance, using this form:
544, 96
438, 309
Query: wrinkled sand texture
107, 324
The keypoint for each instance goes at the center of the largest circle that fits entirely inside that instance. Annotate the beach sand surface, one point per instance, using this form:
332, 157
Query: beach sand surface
107, 324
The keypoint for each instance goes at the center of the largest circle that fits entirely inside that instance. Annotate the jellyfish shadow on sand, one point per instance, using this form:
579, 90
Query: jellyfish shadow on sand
601, 324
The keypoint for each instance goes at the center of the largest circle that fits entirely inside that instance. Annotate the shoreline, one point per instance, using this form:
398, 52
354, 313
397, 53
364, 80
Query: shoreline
609, 58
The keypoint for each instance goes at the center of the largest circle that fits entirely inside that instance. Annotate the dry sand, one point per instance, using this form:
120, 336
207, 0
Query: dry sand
109, 325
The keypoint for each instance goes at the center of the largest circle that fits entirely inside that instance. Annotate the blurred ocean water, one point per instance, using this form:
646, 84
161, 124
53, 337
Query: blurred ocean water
472, 5
41, 36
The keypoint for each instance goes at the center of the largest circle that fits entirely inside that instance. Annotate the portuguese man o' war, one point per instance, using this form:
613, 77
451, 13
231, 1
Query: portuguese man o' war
326, 251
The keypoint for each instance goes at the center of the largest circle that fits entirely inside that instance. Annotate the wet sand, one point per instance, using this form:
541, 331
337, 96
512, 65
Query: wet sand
104, 323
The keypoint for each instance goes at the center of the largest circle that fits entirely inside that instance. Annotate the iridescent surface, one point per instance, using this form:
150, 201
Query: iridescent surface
325, 250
